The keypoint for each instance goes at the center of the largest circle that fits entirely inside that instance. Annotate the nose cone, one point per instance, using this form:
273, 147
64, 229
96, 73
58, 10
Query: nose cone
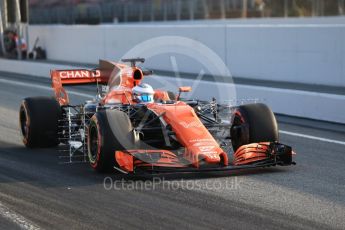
208, 155
212, 158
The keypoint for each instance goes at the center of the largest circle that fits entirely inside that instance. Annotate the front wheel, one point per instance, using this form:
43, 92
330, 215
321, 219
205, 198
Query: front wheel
253, 123
109, 131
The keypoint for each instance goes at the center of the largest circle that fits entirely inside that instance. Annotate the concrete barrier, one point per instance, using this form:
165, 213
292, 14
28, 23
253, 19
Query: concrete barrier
312, 54
308, 51
87, 44
30, 68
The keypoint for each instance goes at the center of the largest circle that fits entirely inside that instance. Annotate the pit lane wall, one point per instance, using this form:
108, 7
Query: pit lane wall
320, 106
308, 51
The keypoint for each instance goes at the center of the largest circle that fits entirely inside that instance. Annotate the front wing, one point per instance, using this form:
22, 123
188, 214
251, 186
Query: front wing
254, 155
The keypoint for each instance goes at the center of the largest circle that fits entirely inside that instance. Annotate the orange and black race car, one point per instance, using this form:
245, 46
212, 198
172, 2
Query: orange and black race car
132, 128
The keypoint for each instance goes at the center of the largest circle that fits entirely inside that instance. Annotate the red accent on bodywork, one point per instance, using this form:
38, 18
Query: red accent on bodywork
125, 161
251, 153
129, 159
162, 95
191, 133
80, 76
60, 93
120, 77
185, 89
123, 96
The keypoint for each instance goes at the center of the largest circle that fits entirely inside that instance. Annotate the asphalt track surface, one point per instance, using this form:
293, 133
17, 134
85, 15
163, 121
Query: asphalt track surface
38, 191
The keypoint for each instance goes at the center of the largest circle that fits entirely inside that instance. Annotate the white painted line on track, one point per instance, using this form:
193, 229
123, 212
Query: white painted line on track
17, 219
312, 137
41, 87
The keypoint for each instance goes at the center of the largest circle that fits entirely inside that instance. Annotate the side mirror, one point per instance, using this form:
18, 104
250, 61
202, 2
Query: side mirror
185, 89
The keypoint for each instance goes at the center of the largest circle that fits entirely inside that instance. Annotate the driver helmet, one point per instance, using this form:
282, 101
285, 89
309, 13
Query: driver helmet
143, 93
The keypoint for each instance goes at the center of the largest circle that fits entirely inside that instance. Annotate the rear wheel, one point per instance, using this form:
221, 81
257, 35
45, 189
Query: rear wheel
38, 119
253, 123
109, 131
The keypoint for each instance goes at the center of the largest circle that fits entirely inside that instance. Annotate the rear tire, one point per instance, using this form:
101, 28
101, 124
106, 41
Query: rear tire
109, 131
253, 123
38, 119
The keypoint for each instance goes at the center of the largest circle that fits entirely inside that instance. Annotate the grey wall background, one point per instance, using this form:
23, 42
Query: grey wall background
308, 51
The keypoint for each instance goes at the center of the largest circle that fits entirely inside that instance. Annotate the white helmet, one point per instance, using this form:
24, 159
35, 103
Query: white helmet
143, 93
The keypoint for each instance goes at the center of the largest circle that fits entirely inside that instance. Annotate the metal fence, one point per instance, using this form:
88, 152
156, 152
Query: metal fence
106, 11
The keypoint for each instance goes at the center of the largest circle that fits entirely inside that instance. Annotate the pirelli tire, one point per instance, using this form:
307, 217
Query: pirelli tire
253, 123
38, 119
109, 131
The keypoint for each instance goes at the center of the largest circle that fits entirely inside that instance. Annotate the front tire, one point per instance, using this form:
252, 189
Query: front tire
38, 119
109, 131
253, 123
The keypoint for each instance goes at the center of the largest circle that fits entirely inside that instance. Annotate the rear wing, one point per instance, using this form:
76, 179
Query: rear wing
107, 72
72, 77
100, 75
79, 76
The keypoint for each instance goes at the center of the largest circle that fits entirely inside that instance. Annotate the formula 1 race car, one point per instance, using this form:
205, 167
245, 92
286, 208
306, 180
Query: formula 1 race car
130, 127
